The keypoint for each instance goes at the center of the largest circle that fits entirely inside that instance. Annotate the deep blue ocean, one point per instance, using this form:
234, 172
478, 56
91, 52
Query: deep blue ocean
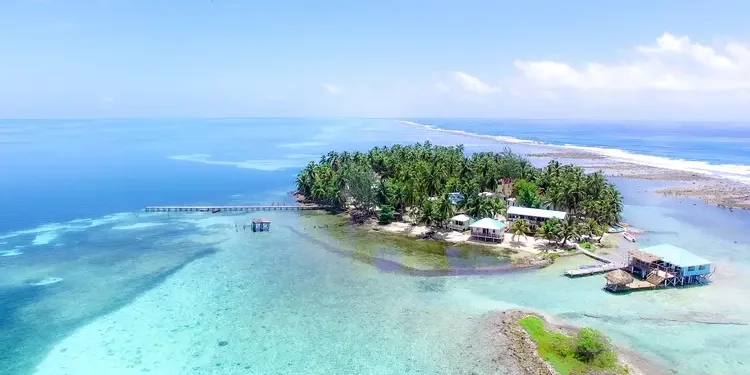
715, 143
91, 284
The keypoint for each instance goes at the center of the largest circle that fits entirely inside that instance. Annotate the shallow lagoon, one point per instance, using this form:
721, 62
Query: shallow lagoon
136, 297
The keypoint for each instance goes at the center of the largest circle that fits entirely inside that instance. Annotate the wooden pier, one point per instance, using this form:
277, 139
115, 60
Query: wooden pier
595, 270
217, 209
608, 265
598, 257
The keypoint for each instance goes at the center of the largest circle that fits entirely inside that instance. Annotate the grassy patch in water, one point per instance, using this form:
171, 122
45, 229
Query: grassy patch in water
589, 352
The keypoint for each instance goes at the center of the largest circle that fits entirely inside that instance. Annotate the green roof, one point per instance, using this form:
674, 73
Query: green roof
675, 255
488, 224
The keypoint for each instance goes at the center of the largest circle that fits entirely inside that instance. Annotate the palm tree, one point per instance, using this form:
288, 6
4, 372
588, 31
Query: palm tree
497, 207
519, 228
385, 193
445, 209
400, 196
426, 214
477, 206
569, 230
550, 230
591, 228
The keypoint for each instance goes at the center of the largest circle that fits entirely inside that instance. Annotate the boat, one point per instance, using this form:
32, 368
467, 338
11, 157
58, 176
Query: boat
215, 210
615, 229
628, 237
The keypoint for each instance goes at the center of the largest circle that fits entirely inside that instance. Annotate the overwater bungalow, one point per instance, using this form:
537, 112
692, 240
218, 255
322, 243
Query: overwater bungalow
675, 265
534, 216
661, 266
488, 230
459, 222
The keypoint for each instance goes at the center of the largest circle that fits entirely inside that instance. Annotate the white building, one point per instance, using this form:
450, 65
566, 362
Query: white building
459, 222
534, 216
488, 230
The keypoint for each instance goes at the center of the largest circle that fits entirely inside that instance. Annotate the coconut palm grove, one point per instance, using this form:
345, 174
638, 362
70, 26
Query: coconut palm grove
430, 183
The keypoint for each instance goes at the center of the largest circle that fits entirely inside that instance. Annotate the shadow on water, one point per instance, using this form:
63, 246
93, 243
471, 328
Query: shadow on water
35, 317
387, 265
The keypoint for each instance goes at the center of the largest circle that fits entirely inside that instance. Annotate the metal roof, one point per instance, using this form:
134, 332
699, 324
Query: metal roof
675, 255
488, 223
536, 212
461, 217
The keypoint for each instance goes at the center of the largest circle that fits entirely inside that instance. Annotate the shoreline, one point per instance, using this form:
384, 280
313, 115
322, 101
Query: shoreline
715, 190
519, 259
514, 348
524, 254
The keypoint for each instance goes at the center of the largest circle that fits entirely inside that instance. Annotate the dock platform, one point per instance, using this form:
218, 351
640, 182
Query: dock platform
217, 209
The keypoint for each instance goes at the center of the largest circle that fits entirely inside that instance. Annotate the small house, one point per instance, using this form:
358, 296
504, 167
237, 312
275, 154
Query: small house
669, 265
534, 216
488, 230
459, 222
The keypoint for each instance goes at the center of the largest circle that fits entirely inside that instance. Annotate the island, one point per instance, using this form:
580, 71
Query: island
457, 198
528, 343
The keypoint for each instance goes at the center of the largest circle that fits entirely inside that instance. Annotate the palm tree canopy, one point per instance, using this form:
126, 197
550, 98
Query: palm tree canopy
404, 176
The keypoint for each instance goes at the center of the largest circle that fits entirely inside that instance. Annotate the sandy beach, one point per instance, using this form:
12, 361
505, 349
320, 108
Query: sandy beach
521, 247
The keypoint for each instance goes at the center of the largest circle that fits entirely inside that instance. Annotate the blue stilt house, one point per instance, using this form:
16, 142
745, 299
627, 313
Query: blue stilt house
669, 265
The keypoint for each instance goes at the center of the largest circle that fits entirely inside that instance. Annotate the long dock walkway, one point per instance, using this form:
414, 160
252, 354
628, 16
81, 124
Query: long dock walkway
216, 209
608, 265
591, 254
594, 270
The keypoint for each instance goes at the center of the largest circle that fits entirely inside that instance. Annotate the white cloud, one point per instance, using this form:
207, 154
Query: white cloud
672, 64
461, 82
332, 89
472, 84
442, 87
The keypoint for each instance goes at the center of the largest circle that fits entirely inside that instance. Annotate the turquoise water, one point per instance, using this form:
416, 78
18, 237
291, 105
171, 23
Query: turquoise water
91, 286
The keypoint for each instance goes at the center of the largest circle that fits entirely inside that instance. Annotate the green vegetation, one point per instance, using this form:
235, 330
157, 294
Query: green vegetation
553, 256
588, 352
386, 214
560, 231
418, 179
527, 194
588, 246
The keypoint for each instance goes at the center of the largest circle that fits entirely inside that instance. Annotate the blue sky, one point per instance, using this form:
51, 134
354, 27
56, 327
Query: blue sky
539, 59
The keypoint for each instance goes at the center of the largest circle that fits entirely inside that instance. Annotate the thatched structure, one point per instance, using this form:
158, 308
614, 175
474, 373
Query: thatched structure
644, 256
619, 277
